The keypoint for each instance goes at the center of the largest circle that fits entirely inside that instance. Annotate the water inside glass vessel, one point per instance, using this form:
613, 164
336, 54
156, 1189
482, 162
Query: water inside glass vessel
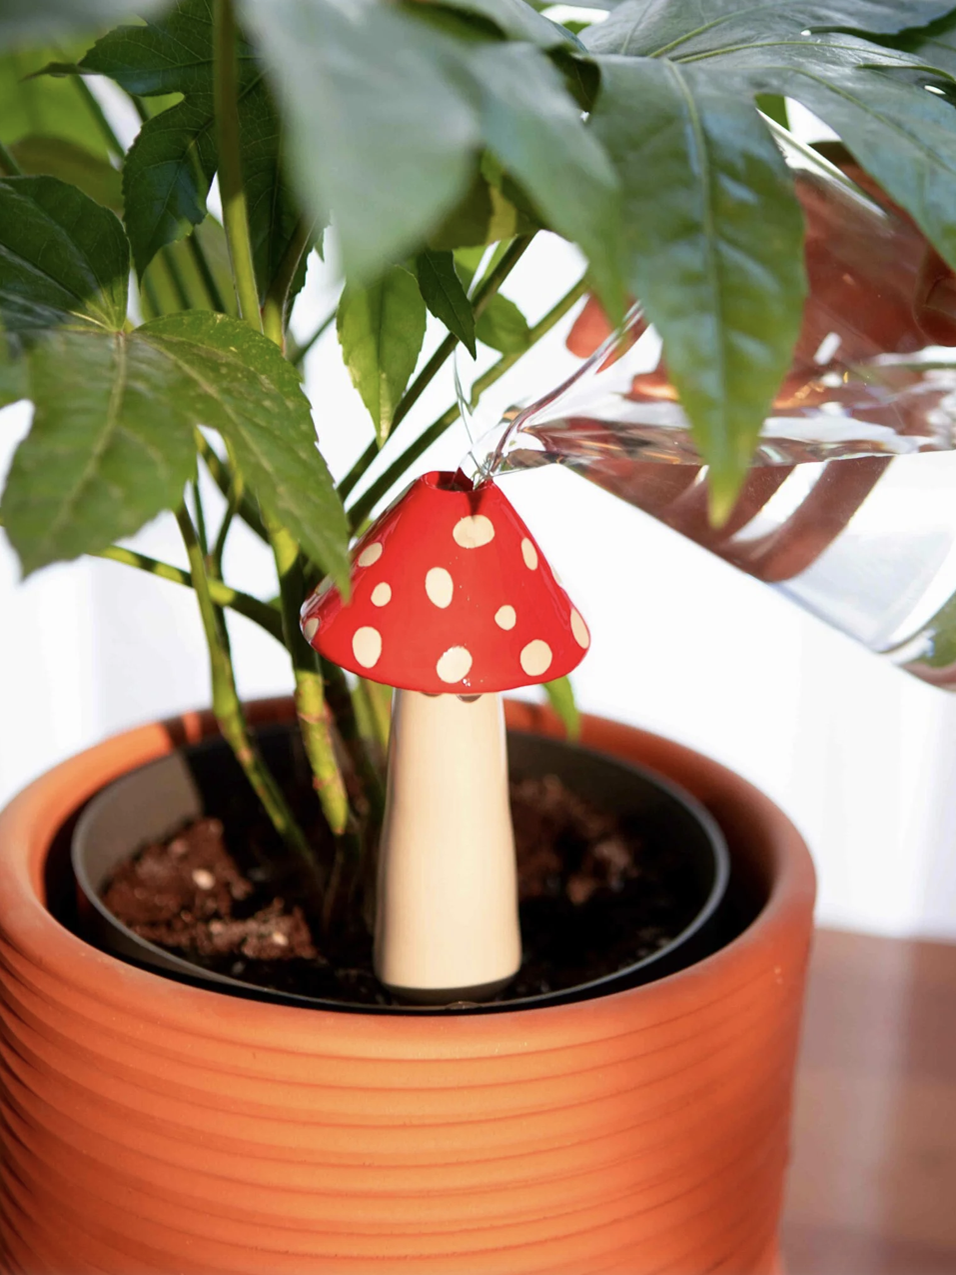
849, 507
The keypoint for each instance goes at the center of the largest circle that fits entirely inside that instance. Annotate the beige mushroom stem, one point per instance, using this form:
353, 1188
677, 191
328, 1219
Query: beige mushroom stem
447, 921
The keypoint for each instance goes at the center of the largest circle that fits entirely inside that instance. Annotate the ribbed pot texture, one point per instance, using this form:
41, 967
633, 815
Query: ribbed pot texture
148, 1126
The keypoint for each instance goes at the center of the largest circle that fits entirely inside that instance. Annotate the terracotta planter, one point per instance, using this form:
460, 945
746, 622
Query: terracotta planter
151, 1126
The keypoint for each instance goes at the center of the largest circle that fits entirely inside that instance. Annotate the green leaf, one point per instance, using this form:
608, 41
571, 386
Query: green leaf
63, 258
685, 28
381, 329
561, 697
875, 100
503, 327
44, 105
485, 215
379, 134
112, 438
533, 126
445, 297
56, 157
171, 163
14, 384
22, 20
514, 19
237, 382
715, 246
110, 446
167, 175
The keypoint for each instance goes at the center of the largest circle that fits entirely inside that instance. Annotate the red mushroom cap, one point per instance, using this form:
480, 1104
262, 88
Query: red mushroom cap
450, 592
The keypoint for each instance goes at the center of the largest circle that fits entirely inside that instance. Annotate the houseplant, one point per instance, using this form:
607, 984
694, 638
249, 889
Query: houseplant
425, 131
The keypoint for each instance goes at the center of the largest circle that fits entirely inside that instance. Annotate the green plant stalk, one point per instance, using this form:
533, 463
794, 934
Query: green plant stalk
384, 483
311, 709
377, 701
228, 708
298, 353
8, 165
261, 613
342, 702
309, 689
96, 111
275, 307
488, 288
205, 273
234, 216
225, 480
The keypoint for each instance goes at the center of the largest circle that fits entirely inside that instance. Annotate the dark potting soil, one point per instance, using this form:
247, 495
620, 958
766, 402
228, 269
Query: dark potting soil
594, 899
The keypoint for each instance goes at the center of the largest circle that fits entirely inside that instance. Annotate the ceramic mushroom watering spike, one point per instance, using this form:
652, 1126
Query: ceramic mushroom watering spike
452, 602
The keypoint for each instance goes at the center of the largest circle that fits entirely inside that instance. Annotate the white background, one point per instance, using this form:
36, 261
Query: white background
861, 756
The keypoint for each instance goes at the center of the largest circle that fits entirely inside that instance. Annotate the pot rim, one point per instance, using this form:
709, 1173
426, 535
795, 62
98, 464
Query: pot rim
36, 948
182, 967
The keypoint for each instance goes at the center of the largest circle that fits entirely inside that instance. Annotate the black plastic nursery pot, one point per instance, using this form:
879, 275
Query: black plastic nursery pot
154, 801
154, 1124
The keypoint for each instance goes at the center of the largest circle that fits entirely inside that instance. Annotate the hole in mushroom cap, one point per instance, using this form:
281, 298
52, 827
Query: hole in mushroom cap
310, 628
529, 553
367, 646
381, 595
469, 699
370, 554
454, 664
506, 617
473, 531
439, 586
536, 658
580, 630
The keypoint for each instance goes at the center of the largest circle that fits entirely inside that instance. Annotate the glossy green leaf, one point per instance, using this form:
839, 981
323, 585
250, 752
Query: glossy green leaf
381, 329
936, 46
484, 215
533, 126
172, 161
688, 28
241, 386
56, 157
516, 20
561, 698
715, 246
379, 133
167, 175
44, 105
63, 258
503, 327
875, 100
23, 20
112, 438
443, 293
110, 446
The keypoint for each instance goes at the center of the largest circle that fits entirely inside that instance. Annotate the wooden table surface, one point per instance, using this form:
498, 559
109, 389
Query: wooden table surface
872, 1187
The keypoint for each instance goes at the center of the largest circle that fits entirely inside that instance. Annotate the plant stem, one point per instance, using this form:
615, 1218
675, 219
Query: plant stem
228, 709
275, 308
298, 353
102, 123
8, 165
309, 690
488, 288
235, 219
382, 485
261, 613
225, 480
342, 702
205, 272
